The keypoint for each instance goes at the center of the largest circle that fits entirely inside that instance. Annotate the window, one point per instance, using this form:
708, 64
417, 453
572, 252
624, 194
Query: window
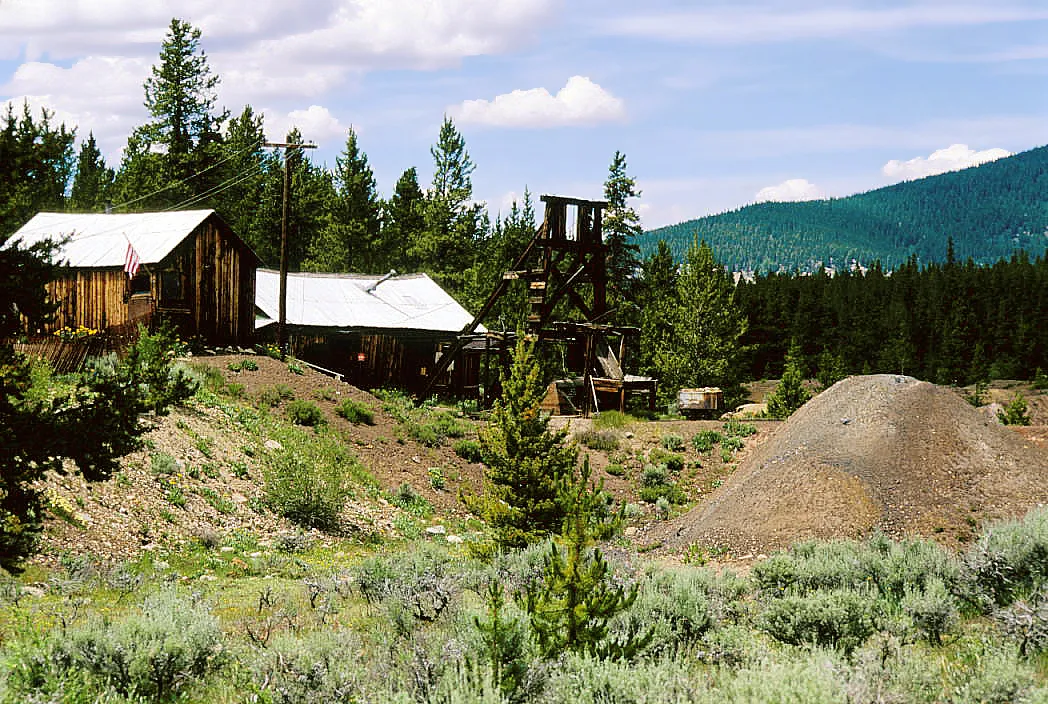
140, 285
171, 286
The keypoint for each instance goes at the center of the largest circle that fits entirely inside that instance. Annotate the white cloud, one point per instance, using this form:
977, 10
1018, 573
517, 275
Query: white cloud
952, 158
99, 94
735, 24
791, 190
316, 123
579, 102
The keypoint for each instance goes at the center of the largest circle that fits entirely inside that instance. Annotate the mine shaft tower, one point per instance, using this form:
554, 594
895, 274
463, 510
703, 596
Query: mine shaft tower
564, 267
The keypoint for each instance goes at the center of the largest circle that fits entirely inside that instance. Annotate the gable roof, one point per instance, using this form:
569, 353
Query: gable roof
343, 301
100, 240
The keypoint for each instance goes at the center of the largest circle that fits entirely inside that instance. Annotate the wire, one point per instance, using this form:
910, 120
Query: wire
253, 146
254, 170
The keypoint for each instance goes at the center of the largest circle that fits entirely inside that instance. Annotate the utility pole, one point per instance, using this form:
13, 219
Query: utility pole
282, 318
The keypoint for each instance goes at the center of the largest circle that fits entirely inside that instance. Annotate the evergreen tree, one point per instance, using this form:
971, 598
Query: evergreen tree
790, 394
621, 226
450, 243
527, 460
404, 222
351, 241
658, 303
185, 134
706, 326
310, 196
571, 606
36, 161
93, 179
244, 167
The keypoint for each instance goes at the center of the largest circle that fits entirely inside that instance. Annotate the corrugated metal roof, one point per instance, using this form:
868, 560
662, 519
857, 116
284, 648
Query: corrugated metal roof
403, 302
99, 240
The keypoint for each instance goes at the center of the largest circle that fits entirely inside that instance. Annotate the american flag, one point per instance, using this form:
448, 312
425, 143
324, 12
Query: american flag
131, 261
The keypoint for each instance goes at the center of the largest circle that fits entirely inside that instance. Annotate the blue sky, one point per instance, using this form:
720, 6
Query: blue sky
715, 104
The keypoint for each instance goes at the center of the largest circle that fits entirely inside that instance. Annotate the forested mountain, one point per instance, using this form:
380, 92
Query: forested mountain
989, 211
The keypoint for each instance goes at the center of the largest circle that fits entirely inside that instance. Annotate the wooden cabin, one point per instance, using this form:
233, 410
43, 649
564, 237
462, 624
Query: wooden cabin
193, 272
374, 330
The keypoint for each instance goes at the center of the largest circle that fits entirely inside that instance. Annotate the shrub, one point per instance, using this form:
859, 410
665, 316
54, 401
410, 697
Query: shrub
1015, 413
672, 460
273, 395
407, 498
672, 442
732, 443
355, 412
932, 611
310, 668
604, 440
705, 440
1026, 621
468, 450
662, 508
738, 429
675, 605
301, 412
156, 653
1009, 561
831, 618
163, 464
437, 480
615, 470
612, 420
436, 427
308, 483
654, 475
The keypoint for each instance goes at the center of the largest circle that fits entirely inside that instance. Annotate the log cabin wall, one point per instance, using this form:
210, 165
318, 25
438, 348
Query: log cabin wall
205, 287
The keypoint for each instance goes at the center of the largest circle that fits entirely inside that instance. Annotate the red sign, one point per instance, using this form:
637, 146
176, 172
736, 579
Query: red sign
361, 357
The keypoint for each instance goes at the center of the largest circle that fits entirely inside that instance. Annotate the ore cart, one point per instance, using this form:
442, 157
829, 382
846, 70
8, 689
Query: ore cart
700, 403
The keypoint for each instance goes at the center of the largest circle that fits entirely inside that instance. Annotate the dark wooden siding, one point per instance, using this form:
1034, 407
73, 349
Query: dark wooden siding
205, 287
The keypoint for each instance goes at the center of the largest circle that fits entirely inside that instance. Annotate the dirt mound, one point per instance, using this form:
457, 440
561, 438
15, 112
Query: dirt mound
872, 452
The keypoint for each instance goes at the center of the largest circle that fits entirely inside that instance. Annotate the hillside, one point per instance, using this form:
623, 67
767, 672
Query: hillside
990, 211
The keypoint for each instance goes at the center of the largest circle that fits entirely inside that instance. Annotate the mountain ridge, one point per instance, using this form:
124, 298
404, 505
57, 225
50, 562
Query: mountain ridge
989, 211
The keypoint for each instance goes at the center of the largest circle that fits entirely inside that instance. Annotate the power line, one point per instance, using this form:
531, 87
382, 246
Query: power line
254, 170
251, 147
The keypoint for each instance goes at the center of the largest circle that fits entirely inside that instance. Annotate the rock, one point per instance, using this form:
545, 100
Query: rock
161, 565
454, 539
436, 530
227, 548
628, 435
208, 578
33, 591
273, 445
630, 531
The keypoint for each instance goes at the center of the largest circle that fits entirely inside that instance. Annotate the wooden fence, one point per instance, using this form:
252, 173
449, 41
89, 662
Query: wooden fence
69, 356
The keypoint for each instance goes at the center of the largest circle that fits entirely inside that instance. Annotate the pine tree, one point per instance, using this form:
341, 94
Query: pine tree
790, 394
404, 222
621, 226
244, 167
706, 324
571, 606
36, 161
527, 460
450, 242
180, 96
93, 179
351, 240
658, 303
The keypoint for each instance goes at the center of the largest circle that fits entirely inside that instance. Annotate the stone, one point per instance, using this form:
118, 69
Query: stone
436, 530
454, 539
273, 445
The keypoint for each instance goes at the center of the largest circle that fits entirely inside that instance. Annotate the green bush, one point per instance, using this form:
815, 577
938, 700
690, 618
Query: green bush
705, 440
672, 460
615, 470
841, 619
612, 420
157, 653
1026, 622
355, 412
436, 427
407, 498
301, 412
468, 450
308, 482
732, 443
604, 440
273, 395
672, 442
311, 668
163, 464
736, 428
932, 611
1009, 561
654, 475
1015, 413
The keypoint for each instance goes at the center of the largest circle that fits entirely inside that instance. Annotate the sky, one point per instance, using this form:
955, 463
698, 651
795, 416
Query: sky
715, 103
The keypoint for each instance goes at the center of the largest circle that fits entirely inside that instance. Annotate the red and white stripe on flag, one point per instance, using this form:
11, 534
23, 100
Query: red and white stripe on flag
131, 261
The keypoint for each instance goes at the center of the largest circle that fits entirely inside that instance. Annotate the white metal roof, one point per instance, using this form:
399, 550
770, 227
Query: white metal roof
403, 302
99, 240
